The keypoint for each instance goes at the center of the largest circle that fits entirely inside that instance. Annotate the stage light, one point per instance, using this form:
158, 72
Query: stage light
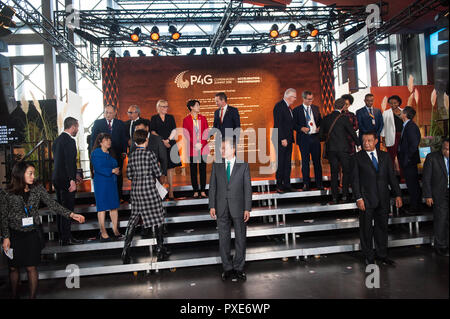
236, 50
298, 49
126, 53
308, 48
175, 34
312, 31
135, 36
192, 52
273, 50
274, 31
225, 51
293, 32
154, 35
154, 52
112, 54
6, 16
204, 52
87, 36
141, 53
283, 49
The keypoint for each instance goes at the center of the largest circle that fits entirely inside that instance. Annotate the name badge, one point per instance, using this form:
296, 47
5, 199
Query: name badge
27, 222
373, 121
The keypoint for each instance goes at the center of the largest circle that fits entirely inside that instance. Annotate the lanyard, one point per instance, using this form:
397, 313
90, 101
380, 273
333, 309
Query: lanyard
28, 210
308, 114
370, 114
196, 127
140, 147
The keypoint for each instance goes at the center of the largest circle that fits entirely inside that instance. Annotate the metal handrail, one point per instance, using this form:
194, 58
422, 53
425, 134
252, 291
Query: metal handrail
32, 150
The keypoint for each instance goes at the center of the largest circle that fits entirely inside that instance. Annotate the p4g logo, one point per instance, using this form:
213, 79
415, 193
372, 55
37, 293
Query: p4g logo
193, 79
200, 79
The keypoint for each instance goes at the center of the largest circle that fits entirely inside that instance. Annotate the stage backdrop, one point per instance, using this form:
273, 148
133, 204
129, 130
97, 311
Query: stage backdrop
252, 82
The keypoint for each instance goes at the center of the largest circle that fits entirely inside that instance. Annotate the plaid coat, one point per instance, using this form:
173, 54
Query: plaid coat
142, 170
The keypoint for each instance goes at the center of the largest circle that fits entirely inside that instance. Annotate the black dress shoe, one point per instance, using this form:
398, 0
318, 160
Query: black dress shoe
369, 261
240, 275
386, 261
306, 188
280, 191
290, 189
320, 188
72, 241
227, 274
334, 201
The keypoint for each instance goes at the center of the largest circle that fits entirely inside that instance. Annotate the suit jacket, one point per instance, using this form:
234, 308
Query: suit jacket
373, 186
408, 149
65, 161
434, 177
127, 127
283, 120
236, 194
338, 139
119, 135
231, 119
365, 121
188, 124
300, 120
156, 145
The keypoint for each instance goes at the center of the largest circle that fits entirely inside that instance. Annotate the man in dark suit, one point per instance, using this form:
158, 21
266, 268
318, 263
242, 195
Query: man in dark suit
435, 191
226, 118
116, 128
134, 114
369, 118
283, 121
408, 157
230, 201
65, 177
335, 129
372, 176
307, 121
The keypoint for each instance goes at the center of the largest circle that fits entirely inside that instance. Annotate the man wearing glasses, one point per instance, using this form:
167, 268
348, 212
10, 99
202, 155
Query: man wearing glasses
134, 114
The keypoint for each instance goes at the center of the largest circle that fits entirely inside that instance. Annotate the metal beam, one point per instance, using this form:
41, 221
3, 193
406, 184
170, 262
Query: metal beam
230, 18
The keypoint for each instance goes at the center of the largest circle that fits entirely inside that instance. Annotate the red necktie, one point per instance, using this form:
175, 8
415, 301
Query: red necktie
221, 113
109, 126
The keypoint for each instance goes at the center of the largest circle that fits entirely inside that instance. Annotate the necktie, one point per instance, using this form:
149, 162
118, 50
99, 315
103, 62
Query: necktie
228, 171
109, 126
221, 114
308, 116
446, 160
374, 161
370, 111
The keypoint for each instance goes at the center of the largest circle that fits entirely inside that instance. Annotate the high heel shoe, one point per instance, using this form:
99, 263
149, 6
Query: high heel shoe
102, 239
196, 195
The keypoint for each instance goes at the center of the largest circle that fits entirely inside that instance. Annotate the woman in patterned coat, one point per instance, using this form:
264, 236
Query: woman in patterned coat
143, 170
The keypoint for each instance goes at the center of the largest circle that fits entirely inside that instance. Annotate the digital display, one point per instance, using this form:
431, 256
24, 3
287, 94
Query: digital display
7, 135
435, 42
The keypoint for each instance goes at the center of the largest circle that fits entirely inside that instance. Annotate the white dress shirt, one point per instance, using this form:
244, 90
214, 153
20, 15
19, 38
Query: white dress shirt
313, 127
131, 127
224, 111
290, 111
369, 153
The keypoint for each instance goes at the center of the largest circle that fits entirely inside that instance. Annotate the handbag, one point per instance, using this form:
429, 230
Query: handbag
324, 154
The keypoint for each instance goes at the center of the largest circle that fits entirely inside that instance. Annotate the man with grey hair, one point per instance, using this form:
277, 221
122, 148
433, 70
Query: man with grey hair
134, 114
283, 121
335, 131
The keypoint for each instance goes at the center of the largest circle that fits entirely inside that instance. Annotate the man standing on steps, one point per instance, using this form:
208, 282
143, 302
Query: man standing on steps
372, 176
65, 177
230, 201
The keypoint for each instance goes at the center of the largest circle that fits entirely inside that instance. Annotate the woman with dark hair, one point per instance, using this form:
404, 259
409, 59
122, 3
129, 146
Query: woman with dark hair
21, 224
146, 203
105, 170
195, 126
393, 126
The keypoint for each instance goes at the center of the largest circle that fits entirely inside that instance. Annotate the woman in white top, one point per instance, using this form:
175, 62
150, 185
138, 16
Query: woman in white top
393, 126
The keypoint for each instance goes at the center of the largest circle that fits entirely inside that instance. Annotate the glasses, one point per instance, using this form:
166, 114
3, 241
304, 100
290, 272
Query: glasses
131, 112
164, 106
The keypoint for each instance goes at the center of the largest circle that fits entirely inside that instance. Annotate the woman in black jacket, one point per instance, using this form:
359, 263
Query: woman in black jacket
20, 224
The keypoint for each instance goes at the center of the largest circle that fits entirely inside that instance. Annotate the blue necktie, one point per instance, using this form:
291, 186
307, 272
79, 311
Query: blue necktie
308, 116
374, 161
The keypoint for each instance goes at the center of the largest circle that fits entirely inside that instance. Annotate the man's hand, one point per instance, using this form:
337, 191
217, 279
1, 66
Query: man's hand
284, 142
246, 216
398, 202
360, 204
162, 179
305, 130
166, 143
72, 187
429, 201
212, 212
79, 179
6, 244
116, 171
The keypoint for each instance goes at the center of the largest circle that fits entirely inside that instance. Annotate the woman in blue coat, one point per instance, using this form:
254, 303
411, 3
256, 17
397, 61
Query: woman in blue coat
105, 170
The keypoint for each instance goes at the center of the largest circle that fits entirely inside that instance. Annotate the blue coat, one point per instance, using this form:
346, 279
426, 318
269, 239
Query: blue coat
105, 182
365, 121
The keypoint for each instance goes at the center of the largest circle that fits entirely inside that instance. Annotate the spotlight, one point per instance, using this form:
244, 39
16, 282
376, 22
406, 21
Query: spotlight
273, 50
225, 51
283, 49
274, 31
312, 31
154, 35
308, 48
87, 36
204, 52
293, 32
298, 49
154, 52
135, 36
236, 50
192, 52
6, 16
112, 54
175, 34
140, 53
126, 53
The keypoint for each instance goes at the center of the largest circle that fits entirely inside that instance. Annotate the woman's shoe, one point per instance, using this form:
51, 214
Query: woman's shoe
203, 195
196, 195
102, 239
118, 237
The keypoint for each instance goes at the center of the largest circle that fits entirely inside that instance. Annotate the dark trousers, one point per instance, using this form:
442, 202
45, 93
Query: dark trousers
336, 158
440, 222
310, 146
283, 174
379, 231
67, 200
412, 182
224, 221
194, 163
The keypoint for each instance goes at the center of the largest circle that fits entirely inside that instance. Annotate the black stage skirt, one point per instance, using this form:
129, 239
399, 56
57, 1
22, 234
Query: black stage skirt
26, 248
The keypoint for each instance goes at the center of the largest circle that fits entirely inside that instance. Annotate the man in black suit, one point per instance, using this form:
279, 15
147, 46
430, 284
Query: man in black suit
335, 129
134, 114
307, 120
435, 191
65, 177
116, 128
226, 118
283, 121
372, 176
408, 156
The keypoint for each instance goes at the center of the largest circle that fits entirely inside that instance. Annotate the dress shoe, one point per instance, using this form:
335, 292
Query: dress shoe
306, 188
386, 261
290, 189
240, 275
280, 191
227, 274
441, 251
320, 188
334, 201
118, 237
72, 241
368, 261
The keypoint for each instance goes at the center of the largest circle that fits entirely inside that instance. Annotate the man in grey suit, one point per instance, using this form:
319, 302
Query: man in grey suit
230, 200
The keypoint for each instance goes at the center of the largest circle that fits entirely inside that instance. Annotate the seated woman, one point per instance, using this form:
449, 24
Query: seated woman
20, 224
143, 170
105, 170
